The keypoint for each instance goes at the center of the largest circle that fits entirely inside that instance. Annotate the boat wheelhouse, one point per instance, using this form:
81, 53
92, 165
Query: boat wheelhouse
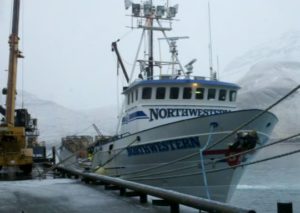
175, 127
150, 103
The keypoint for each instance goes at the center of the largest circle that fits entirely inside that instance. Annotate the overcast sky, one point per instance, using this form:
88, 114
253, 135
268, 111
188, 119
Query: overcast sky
66, 43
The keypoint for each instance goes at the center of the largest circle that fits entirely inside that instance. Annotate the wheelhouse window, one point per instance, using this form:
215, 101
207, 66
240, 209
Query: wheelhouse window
199, 93
187, 93
146, 94
132, 97
128, 98
211, 94
160, 93
136, 94
232, 95
174, 92
222, 94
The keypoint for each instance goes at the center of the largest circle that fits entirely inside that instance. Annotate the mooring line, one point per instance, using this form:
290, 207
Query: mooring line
255, 117
222, 169
122, 150
224, 138
215, 160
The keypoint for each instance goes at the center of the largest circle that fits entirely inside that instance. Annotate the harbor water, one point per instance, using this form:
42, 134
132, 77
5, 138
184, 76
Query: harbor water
265, 184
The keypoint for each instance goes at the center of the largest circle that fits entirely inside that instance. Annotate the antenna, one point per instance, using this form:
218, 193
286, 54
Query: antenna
211, 70
152, 14
173, 49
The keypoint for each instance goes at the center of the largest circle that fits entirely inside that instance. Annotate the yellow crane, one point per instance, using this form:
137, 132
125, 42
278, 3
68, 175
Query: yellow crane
13, 144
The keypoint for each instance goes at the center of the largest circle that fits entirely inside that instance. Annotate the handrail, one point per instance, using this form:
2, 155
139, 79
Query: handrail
168, 195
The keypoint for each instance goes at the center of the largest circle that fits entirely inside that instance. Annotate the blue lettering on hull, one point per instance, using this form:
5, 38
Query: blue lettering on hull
162, 113
164, 146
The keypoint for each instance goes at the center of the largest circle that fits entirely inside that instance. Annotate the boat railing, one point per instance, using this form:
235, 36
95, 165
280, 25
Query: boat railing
174, 77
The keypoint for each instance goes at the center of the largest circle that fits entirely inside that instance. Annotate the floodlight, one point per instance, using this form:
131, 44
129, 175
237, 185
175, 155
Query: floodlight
136, 9
172, 11
128, 3
160, 11
147, 9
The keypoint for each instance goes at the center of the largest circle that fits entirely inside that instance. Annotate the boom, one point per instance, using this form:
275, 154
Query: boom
115, 49
12, 69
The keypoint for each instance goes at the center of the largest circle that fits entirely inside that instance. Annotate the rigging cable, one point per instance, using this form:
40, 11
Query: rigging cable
255, 117
222, 139
225, 168
219, 159
122, 150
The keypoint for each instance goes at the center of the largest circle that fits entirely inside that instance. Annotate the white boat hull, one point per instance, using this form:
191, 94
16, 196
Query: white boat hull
154, 158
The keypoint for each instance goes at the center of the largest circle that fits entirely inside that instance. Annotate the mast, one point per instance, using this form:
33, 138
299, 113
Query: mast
12, 69
152, 14
211, 70
120, 61
150, 67
150, 42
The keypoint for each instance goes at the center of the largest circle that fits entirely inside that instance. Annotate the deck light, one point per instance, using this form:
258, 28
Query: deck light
147, 9
160, 11
136, 9
172, 11
194, 84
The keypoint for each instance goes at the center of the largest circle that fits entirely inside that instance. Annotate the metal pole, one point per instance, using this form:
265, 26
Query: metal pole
12, 69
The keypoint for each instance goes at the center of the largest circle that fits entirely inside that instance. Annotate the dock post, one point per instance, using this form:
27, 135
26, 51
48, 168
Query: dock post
285, 207
53, 155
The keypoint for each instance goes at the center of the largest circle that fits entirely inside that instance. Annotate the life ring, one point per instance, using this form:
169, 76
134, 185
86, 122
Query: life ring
234, 160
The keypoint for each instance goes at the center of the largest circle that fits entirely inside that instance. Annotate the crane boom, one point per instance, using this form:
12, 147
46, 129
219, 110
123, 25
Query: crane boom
13, 63
115, 49
14, 150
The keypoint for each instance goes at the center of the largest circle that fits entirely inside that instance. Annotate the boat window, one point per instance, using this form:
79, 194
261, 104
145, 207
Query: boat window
128, 98
174, 92
211, 94
160, 93
187, 93
146, 93
232, 95
132, 97
199, 93
136, 94
222, 94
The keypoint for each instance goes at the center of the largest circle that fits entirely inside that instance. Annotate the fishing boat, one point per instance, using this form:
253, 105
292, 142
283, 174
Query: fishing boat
179, 131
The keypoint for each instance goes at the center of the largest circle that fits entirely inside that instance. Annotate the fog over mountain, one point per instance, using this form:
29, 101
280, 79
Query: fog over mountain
56, 121
285, 48
265, 74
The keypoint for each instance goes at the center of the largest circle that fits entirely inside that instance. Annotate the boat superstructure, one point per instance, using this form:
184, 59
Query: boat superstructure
173, 125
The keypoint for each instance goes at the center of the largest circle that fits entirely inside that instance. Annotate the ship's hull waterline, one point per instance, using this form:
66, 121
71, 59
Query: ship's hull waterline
153, 158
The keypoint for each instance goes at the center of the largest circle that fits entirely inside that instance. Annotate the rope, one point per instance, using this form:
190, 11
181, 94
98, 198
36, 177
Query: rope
219, 159
225, 168
222, 139
255, 117
122, 150
55, 165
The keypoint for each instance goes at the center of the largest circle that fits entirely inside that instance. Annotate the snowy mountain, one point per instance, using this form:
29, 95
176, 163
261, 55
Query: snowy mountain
285, 48
56, 121
267, 73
